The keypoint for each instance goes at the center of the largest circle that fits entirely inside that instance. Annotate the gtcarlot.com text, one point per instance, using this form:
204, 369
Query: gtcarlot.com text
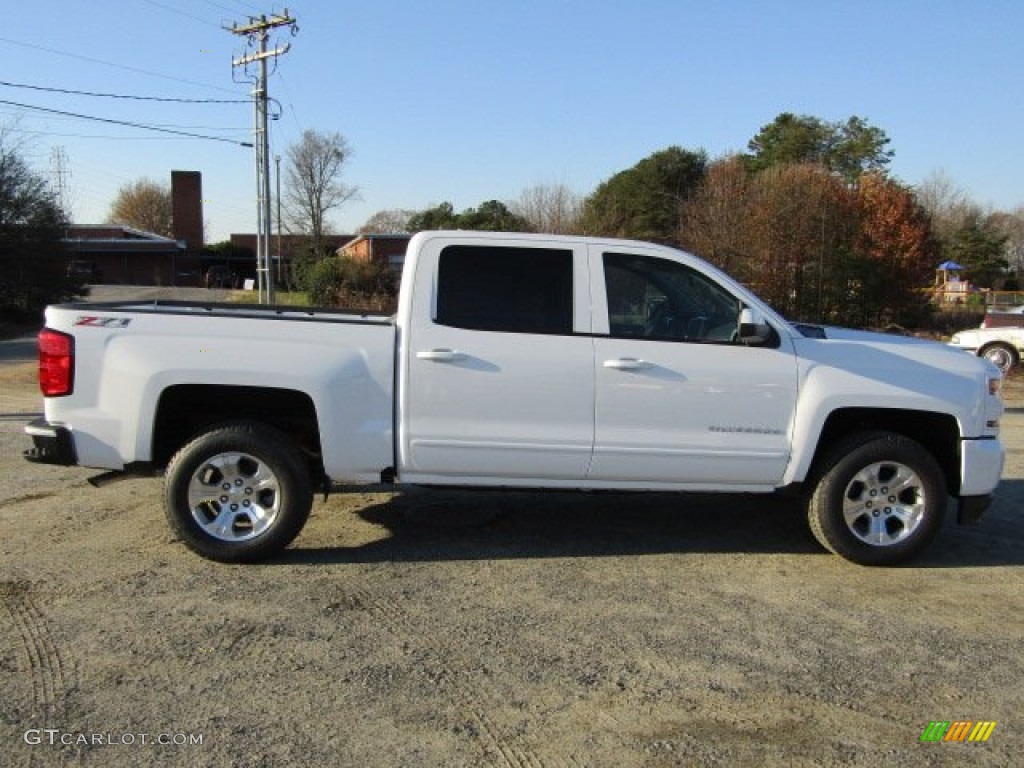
57, 737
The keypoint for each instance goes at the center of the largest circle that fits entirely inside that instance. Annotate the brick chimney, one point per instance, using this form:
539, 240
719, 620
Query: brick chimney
187, 208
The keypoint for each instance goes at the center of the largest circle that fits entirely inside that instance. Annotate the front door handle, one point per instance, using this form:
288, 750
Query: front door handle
627, 364
440, 355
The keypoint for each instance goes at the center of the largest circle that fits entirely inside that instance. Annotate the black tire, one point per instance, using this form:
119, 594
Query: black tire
238, 493
1003, 355
856, 512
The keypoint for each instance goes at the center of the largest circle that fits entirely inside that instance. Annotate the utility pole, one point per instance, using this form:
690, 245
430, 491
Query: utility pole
277, 176
258, 33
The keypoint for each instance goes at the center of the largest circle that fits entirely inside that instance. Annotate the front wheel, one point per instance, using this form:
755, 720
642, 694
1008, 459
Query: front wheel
1003, 355
240, 492
880, 501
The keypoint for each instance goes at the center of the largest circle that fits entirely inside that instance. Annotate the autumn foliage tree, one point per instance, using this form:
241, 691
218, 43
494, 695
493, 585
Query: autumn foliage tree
800, 214
896, 250
811, 222
815, 247
714, 219
144, 204
784, 231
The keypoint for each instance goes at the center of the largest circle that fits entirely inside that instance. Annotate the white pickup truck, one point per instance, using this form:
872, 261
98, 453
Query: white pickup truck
523, 361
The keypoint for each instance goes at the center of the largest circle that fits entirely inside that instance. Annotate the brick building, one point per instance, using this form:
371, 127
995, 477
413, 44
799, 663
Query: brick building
118, 254
123, 255
389, 249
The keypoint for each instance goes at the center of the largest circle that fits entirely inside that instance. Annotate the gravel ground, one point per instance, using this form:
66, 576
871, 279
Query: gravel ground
520, 631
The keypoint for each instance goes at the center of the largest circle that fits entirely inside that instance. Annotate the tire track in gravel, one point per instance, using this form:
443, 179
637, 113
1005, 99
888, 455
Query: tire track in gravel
505, 748
26, 497
51, 670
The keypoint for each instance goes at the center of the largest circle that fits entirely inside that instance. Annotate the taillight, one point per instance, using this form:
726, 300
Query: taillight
56, 363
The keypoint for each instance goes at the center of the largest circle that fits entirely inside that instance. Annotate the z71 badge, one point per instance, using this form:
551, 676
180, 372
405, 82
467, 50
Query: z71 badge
103, 322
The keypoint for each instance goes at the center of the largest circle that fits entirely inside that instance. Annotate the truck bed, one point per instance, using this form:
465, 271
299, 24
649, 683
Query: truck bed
209, 357
222, 309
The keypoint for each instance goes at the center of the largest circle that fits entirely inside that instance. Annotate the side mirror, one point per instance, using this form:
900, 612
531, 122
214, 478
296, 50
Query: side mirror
752, 328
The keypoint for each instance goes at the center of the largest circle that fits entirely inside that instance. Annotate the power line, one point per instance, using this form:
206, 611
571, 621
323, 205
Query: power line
72, 117
107, 137
123, 95
182, 13
231, 10
291, 104
111, 64
125, 122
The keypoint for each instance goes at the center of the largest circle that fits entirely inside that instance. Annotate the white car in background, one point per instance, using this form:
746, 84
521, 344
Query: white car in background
1002, 345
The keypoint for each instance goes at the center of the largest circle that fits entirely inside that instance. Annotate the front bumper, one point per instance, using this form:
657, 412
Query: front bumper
981, 466
51, 444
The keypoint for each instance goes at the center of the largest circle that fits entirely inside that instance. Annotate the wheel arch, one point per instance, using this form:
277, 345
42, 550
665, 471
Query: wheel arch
185, 410
938, 433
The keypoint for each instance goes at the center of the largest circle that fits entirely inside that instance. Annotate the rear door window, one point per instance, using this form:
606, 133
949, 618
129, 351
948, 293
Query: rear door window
505, 289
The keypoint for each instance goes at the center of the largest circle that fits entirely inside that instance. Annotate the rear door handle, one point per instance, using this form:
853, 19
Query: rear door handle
627, 364
440, 355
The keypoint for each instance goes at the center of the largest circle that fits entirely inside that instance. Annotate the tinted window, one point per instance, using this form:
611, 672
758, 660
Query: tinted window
515, 290
660, 299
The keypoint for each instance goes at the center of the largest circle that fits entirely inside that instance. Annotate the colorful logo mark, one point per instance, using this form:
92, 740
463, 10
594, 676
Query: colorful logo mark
958, 730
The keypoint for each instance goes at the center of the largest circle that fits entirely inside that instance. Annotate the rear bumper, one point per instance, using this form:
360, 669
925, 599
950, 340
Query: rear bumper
51, 444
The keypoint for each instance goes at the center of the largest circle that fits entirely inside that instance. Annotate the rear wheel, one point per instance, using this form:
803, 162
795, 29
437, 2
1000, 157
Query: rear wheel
1003, 355
240, 492
880, 501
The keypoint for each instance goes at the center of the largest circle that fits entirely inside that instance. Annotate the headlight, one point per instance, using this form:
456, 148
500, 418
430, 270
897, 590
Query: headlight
955, 339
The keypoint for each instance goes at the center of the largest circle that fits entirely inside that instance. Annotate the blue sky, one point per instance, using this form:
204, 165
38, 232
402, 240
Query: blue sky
470, 101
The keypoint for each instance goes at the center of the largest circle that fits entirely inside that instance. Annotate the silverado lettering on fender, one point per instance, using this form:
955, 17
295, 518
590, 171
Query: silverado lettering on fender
524, 361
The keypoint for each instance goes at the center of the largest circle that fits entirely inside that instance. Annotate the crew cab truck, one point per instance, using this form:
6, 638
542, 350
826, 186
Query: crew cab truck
522, 361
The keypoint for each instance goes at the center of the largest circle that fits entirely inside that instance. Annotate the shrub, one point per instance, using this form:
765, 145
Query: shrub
346, 282
322, 282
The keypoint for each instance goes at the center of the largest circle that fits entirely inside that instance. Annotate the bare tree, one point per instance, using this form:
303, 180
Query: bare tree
144, 204
313, 186
716, 218
554, 209
949, 206
1011, 225
391, 221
